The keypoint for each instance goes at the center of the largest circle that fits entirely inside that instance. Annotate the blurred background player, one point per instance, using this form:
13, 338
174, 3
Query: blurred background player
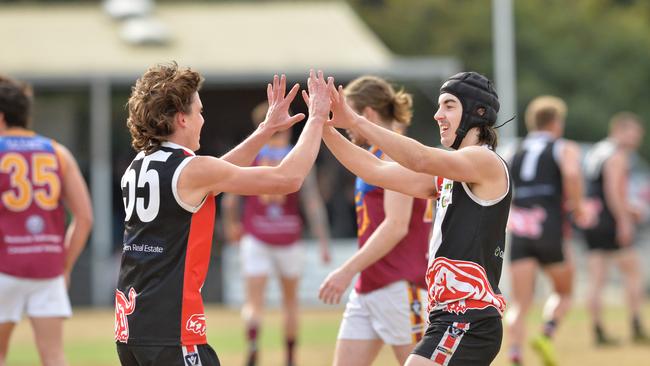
39, 180
385, 306
465, 304
159, 313
546, 174
269, 235
607, 167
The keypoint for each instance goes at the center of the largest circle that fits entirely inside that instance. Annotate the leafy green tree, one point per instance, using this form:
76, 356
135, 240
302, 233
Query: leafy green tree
592, 53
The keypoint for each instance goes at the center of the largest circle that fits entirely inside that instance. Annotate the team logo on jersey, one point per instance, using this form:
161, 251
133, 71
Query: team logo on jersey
444, 198
527, 222
456, 286
123, 308
196, 324
35, 224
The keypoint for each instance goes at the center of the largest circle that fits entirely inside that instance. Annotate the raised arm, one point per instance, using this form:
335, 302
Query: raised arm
386, 174
469, 165
316, 214
277, 119
77, 200
389, 233
204, 174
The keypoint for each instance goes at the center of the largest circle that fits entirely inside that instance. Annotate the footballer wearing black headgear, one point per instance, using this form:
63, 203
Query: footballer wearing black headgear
474, 91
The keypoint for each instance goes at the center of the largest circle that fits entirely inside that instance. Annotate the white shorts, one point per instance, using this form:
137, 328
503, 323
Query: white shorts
394, 314
261, 259
47, 298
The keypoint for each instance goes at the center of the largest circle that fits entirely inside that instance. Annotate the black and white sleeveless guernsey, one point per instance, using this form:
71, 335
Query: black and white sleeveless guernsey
466, 254
537, 217
165, 255
603, 234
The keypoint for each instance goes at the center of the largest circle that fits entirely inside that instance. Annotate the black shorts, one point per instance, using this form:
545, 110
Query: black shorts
544, 251
200, 355
601, 240
454, 343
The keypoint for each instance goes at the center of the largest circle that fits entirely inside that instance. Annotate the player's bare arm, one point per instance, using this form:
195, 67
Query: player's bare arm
277, 119
77, 200
398, 208
473, 164
572, 181
208, 175
615, 184
316, 214
386, 174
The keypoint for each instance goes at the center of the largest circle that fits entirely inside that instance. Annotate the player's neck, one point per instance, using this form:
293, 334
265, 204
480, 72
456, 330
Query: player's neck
5, 130
470, 139
181, 140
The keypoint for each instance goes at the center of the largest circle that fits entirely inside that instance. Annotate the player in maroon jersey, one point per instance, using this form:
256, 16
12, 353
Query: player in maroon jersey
473, 190
169, 199
385, 306
268, 233
39, 180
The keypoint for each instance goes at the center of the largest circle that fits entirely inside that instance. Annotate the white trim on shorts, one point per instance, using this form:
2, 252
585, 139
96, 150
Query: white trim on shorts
38, 298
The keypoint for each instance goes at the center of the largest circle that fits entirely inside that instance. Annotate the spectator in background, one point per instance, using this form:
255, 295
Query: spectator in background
607, 167
269, 232
39, 180
385, 306
548, 182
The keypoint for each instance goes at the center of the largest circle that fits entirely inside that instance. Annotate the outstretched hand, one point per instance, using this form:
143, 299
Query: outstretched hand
343, 116
277, 116
317, 95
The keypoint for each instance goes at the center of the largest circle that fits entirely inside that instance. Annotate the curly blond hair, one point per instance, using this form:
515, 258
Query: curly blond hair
156, 97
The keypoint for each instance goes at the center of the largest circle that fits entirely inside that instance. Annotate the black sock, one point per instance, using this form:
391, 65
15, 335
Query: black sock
515, 354
290, 344
598, 330
251, 337
549, 328
637, 328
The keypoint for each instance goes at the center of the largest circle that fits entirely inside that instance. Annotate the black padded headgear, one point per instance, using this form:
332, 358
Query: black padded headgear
474, 91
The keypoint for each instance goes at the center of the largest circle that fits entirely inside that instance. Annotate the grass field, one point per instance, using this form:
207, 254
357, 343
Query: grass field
89, 340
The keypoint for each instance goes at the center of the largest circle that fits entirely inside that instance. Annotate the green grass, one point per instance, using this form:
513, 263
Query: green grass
89, 339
